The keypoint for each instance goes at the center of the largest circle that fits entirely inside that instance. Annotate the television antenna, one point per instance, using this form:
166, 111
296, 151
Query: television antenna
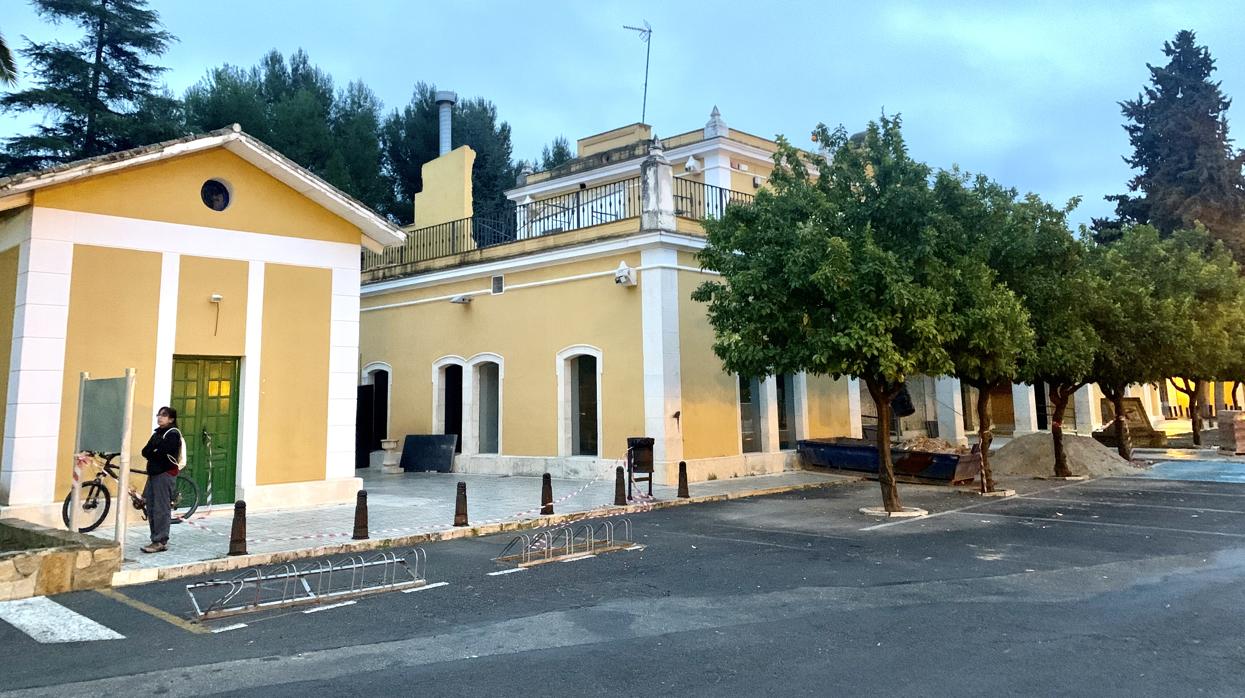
646, 35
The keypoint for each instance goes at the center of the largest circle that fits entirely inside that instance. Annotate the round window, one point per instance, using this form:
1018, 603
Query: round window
215, 195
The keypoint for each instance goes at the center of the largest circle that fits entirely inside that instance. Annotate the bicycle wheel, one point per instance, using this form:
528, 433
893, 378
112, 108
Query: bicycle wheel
185, 498
93, 505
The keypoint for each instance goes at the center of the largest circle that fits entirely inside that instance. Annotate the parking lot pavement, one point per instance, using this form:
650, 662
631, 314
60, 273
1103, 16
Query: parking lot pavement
1110, 587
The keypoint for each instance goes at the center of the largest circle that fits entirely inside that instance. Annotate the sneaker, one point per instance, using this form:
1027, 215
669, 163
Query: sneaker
155, 548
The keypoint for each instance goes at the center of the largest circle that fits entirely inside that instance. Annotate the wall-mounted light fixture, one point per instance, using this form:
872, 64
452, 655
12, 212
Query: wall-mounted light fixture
215, 299
461, 300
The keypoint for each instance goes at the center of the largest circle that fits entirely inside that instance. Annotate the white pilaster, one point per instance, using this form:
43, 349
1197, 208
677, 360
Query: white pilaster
950, 409
36, 372
343, 374
248, 417
767, 412
853, 408
1024, 407
166, 331
718, 169
1088, 409
663, 383
800, 383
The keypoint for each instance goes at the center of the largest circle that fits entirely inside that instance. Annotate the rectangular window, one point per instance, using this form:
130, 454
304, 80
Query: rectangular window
786, 410
750, 414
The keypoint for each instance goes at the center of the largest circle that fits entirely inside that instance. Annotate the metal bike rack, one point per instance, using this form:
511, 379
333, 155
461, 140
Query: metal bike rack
554, 544
289, 584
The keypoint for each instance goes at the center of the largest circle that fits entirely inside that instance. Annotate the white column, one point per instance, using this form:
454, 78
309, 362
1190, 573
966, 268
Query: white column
800, 385
768, 414
343, 376
1024, 407
853, 408
1088, 409
950, 409
36, 371
248, 417
166, 331
663, 382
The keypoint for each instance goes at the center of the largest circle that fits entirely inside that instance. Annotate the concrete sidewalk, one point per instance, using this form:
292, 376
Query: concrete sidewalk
404, 509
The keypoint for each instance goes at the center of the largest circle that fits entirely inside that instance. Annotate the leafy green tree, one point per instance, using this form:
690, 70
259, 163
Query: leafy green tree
8, 66
556, 153
1187, 169
1138, 315
831, 274
100, 93
1208, 311
1045, 265
409, 138
293, 106
992, 332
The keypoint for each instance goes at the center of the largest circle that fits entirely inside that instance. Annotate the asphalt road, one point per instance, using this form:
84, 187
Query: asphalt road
1109, 587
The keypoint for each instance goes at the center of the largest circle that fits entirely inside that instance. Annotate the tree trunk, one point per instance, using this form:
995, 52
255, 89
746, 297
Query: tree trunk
985, 435
886, 469
1059, 402
1124, 442
1195, 412
1236, 404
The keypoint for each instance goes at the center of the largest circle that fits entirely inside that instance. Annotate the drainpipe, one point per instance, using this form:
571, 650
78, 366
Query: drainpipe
445, 104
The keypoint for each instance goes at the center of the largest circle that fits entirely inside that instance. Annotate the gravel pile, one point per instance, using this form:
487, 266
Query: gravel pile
1034, 454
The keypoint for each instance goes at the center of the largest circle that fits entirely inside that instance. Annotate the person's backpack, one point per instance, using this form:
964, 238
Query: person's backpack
181, 455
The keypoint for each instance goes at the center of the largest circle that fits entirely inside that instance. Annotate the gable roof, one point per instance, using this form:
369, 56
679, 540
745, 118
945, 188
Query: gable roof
377, 231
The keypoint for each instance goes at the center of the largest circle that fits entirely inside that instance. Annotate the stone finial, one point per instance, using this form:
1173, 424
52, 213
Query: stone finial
716, 126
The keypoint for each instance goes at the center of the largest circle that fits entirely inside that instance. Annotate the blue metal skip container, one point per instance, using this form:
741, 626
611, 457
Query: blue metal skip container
860, 455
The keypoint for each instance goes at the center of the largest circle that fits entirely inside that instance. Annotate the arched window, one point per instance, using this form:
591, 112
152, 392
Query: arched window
447, 398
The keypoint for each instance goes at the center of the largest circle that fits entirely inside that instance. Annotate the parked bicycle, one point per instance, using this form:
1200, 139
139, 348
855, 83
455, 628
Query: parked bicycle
95, 498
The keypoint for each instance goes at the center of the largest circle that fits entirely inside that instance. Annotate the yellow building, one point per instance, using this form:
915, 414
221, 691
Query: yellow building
547, 338
226, 275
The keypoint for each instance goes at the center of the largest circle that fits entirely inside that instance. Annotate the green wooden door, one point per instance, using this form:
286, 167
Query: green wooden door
205, 395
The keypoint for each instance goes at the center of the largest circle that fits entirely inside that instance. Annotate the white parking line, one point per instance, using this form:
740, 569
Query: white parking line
227, 628
46, 621
1135, 504
1108, 524
509, 571
317, 609
970, 507
425, 587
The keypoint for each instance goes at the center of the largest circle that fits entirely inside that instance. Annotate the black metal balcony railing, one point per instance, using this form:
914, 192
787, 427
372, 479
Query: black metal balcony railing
565, 212
699, 201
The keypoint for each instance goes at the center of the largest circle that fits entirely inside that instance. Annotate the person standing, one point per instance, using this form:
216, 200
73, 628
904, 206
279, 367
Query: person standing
163, 452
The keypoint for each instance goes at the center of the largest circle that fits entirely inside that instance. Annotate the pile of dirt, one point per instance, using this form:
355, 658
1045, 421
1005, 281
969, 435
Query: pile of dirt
1034, 454
932, 445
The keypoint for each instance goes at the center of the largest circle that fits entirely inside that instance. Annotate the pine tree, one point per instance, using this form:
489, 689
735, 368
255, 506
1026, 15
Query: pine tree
556, 153
1187, 169
409, 139
100, 93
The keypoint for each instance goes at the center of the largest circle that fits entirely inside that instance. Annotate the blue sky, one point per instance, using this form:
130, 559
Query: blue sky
1024, 92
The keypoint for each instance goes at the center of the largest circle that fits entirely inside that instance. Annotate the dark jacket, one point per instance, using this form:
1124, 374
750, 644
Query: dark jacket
163, 450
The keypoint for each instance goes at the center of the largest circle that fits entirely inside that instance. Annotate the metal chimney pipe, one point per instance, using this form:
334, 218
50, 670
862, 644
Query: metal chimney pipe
445, 103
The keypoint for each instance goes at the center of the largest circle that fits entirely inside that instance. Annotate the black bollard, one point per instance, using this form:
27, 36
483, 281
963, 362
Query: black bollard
683, 480
360, 516
460, 505
546, 495
620, 488
237, 534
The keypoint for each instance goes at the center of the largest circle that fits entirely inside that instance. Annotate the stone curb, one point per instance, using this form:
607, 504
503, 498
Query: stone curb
225, 564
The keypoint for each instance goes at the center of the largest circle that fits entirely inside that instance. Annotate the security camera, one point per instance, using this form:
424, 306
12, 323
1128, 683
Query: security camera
624, 275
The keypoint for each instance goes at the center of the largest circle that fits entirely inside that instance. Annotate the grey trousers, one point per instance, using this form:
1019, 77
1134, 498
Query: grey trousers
159, 496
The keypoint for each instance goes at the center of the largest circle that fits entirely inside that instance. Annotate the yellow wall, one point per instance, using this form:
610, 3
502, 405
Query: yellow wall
112, 327
828, 413
293, 401
710, 400
8, 300
205, 328
447, 188
527, 327
616, 138
169, 191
